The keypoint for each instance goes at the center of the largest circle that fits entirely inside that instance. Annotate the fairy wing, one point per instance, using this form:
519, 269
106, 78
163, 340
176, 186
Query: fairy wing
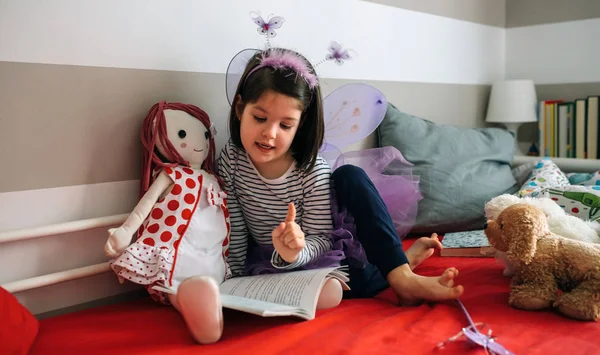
352, 112
235, 69
238, 63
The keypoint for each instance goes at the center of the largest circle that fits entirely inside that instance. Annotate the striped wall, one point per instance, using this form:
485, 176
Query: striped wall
486, 12
555, 43
101, 78
78, 77
521, 13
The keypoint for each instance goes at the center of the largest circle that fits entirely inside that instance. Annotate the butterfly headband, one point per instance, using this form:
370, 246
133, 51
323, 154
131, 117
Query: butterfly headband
350, 113
276, 59
281, 60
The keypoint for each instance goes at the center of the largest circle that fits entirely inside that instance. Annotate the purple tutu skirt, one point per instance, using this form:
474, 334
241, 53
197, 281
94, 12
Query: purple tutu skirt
392, 176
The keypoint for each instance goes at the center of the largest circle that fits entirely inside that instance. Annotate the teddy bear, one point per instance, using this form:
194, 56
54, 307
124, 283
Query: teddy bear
559, 221
545, 263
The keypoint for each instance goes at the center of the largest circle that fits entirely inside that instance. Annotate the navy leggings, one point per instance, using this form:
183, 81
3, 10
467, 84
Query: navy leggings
374, 230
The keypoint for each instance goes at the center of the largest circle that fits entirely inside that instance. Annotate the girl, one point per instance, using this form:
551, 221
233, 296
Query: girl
279, 191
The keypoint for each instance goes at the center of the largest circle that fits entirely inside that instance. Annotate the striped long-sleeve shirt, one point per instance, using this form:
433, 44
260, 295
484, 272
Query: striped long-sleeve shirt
257, 206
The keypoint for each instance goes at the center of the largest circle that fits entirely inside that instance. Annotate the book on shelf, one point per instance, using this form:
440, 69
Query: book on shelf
467, 244
592, 128
569, 129
579, 128
292, 293
564, 136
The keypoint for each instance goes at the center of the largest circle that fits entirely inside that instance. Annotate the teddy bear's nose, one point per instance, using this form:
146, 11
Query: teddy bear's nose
485, 226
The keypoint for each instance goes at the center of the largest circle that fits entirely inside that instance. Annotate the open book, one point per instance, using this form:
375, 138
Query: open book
284, 294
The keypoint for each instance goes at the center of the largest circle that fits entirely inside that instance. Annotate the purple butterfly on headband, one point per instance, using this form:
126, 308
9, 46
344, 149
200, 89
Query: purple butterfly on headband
338, 53
268, 28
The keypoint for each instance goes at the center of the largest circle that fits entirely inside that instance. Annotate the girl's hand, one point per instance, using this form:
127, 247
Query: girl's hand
288, 238
118, 241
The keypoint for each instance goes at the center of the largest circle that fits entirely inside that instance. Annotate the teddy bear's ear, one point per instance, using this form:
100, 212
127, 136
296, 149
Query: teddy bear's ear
522, 248
523, 225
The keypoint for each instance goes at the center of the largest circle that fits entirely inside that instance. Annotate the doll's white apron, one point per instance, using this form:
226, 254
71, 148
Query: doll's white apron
186, 234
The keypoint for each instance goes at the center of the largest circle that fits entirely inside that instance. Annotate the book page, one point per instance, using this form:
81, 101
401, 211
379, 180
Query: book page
261, 308
298, 289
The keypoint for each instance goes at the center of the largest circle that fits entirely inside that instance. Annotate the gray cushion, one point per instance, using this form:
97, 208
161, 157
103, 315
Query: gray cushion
460, 169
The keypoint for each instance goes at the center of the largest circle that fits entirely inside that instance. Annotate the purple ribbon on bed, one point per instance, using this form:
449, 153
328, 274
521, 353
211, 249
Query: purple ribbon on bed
476, 337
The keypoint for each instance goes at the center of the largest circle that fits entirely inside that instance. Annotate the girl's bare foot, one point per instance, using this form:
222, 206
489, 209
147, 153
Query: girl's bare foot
199, 302
413, 289
421, 249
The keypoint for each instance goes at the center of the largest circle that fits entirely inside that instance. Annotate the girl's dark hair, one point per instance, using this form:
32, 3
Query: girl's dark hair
309, 136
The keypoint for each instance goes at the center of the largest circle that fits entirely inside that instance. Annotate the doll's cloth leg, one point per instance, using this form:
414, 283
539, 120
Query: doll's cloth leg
199, 302
375, 229
331, 294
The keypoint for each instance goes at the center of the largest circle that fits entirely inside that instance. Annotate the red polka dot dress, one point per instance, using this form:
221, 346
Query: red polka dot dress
186, 234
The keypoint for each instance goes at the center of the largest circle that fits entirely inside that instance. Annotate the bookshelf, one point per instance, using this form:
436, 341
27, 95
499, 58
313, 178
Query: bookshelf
566, 127
567, 165
570, 128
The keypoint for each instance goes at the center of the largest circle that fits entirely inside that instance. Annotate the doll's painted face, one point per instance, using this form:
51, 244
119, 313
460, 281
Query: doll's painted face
188, 136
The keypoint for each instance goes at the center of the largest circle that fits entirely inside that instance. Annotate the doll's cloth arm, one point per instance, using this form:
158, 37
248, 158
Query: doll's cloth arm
238, 239
146, 203
315, 220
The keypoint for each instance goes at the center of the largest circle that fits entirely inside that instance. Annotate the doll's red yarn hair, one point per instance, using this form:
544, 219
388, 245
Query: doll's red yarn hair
155, 128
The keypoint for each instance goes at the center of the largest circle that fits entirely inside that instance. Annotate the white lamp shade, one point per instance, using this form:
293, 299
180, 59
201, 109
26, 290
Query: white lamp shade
512, 101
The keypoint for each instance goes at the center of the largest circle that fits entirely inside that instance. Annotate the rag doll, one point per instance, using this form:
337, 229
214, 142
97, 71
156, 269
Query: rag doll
181, 221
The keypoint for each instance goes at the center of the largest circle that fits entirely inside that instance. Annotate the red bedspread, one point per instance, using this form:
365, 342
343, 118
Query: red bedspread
371, 326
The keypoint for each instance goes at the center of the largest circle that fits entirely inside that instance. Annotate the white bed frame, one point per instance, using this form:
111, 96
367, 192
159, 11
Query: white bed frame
98, 226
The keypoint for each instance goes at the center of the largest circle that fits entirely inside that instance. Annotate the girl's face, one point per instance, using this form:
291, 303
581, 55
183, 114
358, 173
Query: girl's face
267, 129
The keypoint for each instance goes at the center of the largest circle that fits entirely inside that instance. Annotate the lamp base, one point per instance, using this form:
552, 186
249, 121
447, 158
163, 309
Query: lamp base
513, 127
